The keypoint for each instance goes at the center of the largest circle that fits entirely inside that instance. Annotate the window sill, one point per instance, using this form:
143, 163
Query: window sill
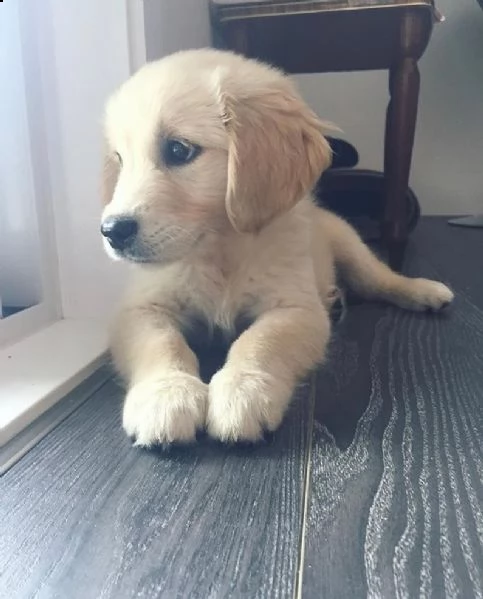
38, 371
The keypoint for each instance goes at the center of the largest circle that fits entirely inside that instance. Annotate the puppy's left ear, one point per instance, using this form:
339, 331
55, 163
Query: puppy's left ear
277, 152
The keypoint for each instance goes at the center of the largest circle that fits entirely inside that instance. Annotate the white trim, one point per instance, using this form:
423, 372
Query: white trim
49, 308
136, 34
30, 22
41, 369
25, 323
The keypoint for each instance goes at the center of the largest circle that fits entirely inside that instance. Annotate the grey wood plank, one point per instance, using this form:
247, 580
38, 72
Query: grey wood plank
396, 506
86, 515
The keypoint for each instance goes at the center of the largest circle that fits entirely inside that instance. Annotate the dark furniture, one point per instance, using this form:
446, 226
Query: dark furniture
319, 36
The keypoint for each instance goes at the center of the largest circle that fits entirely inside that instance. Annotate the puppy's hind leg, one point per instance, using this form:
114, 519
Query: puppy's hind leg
372, 279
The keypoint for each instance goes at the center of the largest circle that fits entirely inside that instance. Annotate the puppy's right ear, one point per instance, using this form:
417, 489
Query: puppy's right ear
276, 149
110, 175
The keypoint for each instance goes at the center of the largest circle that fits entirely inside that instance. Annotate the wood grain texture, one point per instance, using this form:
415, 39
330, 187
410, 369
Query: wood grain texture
85, 515
396, 506
243, 8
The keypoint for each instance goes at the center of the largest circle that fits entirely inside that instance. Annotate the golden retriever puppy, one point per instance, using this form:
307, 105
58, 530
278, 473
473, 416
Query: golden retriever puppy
210, 162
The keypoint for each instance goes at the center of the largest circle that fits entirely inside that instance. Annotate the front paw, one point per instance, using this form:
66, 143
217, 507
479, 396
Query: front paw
165, 410
242, 404
425, 294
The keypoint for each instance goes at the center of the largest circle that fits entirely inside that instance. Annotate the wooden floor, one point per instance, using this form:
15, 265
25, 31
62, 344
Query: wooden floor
373, 486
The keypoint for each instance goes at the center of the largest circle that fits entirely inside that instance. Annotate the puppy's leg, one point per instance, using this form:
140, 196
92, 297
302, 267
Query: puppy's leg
166, 400
373, 279
252, 391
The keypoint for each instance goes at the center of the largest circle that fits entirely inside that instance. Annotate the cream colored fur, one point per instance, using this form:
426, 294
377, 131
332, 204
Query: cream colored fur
234, 231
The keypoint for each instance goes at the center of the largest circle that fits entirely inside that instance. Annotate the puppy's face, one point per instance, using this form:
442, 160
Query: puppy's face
165, 167
200, 142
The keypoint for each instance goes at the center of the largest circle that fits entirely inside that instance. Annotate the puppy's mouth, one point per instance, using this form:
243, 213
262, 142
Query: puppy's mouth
130, 254
135, 258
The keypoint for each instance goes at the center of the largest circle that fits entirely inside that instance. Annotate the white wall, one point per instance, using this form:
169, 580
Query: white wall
172, 25
447, 171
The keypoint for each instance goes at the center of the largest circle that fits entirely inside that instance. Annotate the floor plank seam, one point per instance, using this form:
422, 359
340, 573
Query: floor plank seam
306, 494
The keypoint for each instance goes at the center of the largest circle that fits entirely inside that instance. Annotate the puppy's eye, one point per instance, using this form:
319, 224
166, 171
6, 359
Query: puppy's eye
178, 153
118, 157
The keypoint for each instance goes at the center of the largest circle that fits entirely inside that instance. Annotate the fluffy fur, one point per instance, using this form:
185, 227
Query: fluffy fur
235, 231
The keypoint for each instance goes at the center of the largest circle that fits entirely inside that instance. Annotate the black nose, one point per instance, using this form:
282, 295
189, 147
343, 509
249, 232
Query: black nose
119, 231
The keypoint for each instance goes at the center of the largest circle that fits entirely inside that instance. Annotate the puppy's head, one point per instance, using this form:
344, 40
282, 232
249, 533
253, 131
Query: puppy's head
201, 142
